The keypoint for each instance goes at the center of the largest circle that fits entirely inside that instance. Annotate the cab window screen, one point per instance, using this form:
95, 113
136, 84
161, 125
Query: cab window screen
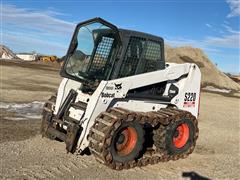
151, 58
102, 54
133, 54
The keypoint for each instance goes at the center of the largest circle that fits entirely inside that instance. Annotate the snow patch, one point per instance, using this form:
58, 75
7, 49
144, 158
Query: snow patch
211, 88
23, 111
15, 118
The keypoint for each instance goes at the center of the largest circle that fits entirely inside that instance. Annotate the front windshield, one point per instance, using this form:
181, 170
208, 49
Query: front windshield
91, 52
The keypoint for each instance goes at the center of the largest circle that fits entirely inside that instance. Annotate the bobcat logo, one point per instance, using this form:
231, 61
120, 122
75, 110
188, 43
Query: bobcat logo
118, 86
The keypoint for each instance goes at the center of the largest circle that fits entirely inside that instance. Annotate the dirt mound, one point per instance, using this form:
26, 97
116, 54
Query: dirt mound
235, 78
6, 53
211, 76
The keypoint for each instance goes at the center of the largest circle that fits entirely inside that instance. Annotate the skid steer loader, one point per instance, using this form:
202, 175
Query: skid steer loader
121, 101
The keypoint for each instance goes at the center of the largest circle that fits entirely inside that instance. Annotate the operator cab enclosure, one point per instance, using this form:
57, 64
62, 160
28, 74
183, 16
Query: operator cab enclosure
100, 51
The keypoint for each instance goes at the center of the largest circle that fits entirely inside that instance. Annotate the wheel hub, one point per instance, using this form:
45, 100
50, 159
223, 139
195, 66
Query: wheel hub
181, 135
176, 134
126, 141
121, 139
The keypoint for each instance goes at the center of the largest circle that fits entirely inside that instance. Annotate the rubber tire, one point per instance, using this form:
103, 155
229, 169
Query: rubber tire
170, 147
137, 149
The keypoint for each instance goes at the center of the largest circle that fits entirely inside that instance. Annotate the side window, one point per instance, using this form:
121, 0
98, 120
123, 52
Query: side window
133, 54
151, 58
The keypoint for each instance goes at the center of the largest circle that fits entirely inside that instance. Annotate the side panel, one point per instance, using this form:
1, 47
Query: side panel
109, 90
189, 91
141, 105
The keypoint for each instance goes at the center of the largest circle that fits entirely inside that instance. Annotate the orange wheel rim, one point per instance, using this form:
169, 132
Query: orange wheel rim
126, 141
181, 135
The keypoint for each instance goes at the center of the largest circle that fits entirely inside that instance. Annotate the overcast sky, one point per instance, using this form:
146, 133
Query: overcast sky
46, 27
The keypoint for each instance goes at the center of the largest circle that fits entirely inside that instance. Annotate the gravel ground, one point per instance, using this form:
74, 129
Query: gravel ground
216, 155
27, 81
